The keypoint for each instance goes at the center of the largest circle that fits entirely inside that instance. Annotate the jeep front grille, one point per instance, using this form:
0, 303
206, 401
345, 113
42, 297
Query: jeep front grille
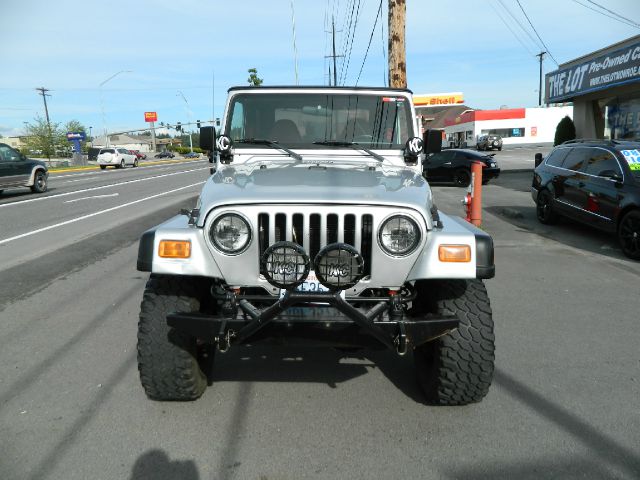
314, 231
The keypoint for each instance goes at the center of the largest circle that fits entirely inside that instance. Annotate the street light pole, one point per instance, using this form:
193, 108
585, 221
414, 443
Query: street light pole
189, 115
104, 122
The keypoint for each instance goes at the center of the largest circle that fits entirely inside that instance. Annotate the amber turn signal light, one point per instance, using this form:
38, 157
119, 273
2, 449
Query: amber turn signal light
175, 249
454, 253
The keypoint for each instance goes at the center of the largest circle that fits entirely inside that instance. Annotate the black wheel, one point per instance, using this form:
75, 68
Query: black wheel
102, 167
544, 208
122, 164
629, 234
462, 178
135, 163
457, 368
39, 182
167, 358
499, 149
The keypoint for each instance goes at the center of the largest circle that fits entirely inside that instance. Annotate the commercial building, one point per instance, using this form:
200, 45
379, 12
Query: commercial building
604, 87
514, 125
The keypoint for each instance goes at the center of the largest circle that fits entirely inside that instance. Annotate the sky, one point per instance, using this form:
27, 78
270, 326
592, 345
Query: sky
179, 58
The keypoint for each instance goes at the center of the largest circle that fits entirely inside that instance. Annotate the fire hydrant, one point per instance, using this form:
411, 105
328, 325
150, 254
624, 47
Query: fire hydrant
472, 201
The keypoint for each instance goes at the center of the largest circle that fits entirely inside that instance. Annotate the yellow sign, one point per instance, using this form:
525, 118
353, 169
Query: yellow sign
437, 99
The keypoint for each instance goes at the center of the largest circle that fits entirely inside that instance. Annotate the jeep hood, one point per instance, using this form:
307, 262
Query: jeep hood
309, 183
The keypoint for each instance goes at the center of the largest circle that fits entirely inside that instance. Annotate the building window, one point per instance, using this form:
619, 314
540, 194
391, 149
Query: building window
505, 132
622, 118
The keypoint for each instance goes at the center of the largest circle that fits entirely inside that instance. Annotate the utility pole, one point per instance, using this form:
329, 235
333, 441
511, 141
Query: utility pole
43, 91
541, 55
397, 55
334, 56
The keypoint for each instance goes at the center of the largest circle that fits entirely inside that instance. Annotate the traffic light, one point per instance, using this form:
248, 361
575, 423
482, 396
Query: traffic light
198, 124
178, 127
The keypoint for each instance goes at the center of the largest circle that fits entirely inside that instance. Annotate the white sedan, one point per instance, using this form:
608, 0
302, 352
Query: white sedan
116, 157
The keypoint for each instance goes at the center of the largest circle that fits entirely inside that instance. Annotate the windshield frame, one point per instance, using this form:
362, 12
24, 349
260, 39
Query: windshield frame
321, 116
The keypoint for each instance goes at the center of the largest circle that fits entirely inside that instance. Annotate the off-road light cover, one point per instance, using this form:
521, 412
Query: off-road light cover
230, 233
285, 265
338, 266
399, 235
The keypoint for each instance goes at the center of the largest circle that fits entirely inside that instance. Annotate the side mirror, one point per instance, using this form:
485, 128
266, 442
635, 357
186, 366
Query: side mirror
432, 141
207, 138
224, 147
538, 159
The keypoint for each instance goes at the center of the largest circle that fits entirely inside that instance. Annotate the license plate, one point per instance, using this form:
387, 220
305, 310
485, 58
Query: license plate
310, 285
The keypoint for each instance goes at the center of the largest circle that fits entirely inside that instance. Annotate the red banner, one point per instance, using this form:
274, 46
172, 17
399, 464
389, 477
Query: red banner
150, 117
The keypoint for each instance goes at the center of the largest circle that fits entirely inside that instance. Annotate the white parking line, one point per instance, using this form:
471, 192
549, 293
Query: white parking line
84, 217
94, 196
111, 185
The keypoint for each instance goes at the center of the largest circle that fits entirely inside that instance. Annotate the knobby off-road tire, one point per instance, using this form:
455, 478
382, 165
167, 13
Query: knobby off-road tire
168, 359
457, 369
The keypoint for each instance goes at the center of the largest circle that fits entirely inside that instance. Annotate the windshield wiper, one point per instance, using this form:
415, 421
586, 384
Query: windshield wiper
270, 143
353, 145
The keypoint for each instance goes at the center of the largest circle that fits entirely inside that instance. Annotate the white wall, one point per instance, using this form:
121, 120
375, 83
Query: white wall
544, 119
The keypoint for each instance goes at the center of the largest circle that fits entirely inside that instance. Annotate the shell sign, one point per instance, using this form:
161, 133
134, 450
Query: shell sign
437, 99
150, 116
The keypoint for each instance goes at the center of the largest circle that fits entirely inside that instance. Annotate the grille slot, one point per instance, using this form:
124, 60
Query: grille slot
315, 231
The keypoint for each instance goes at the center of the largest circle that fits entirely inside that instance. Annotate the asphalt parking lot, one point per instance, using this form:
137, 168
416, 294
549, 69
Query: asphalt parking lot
563, 403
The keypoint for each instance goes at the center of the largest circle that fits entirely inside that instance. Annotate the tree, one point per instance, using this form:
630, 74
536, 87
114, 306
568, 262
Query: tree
566, 130
253, 79
39, 137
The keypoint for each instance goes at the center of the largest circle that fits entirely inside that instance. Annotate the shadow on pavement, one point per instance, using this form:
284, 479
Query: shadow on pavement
601, 446
574, 468
156, 465
314, 365
565, 231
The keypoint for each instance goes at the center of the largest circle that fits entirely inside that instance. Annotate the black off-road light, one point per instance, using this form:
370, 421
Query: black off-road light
338, 266
285, 265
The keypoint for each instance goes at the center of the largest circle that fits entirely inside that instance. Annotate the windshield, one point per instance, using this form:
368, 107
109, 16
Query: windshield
305, 119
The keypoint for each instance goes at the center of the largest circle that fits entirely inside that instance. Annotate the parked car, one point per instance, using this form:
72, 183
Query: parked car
16, 170
489, 142
165, 154
191, 155
454, 165
139, 155
593, 182
117, 157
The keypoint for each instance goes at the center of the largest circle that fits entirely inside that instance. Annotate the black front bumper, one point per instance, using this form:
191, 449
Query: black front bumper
322, 319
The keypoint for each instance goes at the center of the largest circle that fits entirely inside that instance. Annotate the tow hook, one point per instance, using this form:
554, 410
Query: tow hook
401, 340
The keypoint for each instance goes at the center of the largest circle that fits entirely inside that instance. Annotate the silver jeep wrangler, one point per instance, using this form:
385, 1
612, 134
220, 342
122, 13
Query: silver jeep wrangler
317, 227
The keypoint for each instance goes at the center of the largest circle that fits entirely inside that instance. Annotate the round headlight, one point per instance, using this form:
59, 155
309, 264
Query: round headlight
338, 266
230, 233
285, 265
399, 235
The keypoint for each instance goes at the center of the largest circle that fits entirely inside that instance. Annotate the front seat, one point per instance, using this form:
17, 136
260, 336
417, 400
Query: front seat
285, 131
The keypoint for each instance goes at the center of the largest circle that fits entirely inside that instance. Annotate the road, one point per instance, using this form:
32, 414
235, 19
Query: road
564, 403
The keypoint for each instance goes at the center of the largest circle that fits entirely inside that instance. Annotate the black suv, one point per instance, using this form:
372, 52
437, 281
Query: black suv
596, 182
489, 142
16, 170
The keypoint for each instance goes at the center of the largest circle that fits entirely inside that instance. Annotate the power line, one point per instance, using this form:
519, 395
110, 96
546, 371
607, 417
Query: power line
375, 24
353, 34
614, 13
517, 20
606, 15
510, 29
345, 39
536, 32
